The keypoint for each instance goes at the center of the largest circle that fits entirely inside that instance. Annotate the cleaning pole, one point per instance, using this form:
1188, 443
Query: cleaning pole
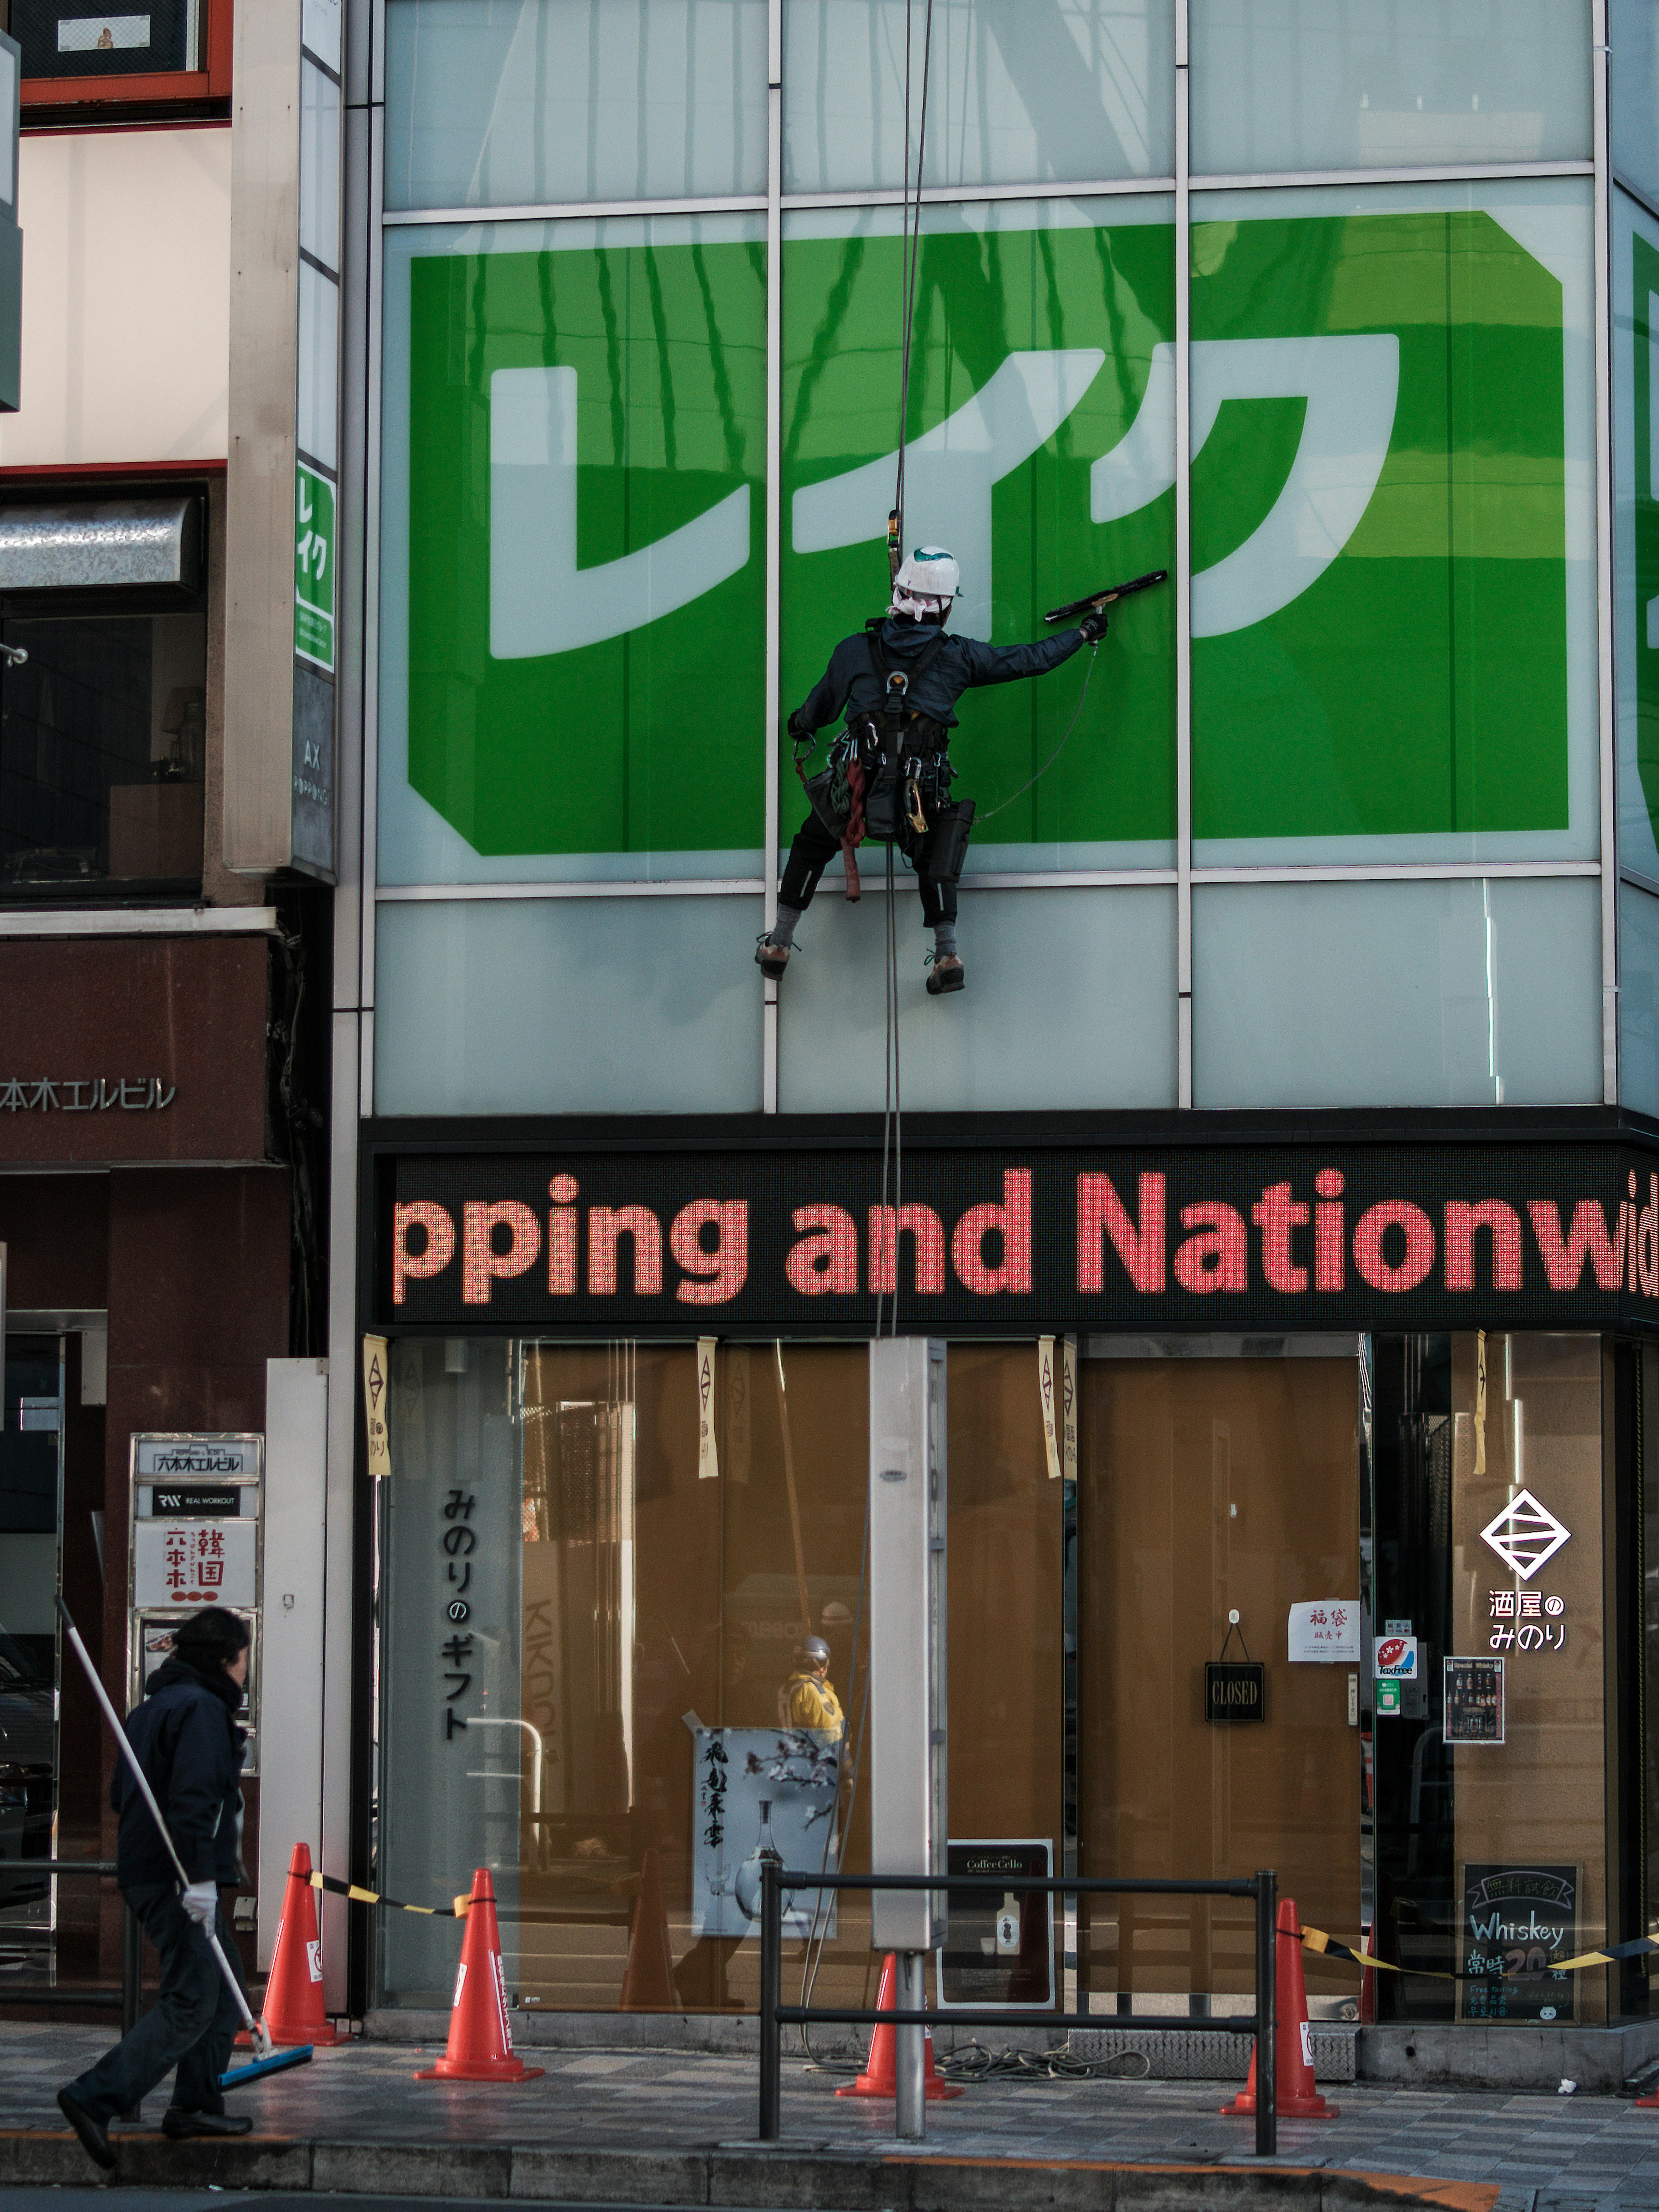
261, 2042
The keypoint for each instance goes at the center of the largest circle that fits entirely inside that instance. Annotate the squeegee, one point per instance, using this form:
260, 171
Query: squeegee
269, 2060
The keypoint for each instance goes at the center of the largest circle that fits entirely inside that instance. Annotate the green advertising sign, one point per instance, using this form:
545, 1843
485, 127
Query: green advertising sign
1379, 536
314, 567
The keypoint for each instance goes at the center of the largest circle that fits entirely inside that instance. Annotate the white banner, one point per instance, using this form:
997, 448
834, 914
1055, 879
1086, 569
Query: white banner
1047, 1391
709, 1465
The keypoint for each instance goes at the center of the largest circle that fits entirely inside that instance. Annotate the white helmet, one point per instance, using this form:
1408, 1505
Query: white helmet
928, 581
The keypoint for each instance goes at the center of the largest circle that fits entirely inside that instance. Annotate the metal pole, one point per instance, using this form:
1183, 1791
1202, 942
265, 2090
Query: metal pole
771, 1974
910, 2124
1267, 2014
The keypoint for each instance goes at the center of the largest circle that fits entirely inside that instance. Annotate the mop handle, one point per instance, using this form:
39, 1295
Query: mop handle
123, 1744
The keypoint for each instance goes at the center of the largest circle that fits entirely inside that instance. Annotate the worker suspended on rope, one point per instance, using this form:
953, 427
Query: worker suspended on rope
890, 773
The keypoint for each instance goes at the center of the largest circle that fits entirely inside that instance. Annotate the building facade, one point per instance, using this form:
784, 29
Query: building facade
163, 971
1285, 1184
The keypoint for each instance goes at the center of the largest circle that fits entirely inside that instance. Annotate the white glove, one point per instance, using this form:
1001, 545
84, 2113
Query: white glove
201, 1902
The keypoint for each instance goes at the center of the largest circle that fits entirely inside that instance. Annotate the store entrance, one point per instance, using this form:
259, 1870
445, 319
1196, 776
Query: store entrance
1206, 1487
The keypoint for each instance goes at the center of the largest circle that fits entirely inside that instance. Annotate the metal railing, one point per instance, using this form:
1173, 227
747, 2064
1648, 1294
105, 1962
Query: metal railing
130, 1995
775, 2016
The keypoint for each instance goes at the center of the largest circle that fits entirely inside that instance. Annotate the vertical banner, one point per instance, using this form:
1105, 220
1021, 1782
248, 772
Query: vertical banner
374, 1387
1068, 1407
708, 1466
1046, 1392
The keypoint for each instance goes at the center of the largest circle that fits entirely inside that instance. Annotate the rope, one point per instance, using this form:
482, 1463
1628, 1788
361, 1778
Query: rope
910, 232
1057, 752
972, 2062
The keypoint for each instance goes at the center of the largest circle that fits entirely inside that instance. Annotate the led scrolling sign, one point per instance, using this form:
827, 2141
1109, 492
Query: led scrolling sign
1326, 1236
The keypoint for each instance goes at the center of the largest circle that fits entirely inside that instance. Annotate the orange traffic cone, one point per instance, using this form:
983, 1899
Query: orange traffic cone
648, 1977
1296, 2098
880, 2074
293, 2010
480, 2047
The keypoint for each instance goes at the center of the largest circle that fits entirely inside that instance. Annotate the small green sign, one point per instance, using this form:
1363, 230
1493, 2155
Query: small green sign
314, 567
1388, 1700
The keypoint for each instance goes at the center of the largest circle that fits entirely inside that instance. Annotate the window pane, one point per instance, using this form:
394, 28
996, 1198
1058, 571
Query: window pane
1449, 994
1633, 92
1256, 1508
102, 733
1456, 1456
1638, 1000
1042, 331
67, 38
568, 1006
1394, 651
1636, 528
536, 102
1019, 92
573, 626
1345, 84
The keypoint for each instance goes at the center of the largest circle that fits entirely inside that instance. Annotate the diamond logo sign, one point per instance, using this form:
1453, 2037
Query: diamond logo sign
1524, 1535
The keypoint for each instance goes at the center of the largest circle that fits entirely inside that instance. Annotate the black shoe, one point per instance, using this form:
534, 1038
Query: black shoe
177, 2124
772, 959
95, 2143
948, 974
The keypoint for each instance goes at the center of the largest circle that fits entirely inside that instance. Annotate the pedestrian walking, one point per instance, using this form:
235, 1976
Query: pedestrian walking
185, 1735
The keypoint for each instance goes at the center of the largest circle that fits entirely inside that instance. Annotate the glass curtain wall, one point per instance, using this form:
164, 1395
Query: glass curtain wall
1394, 659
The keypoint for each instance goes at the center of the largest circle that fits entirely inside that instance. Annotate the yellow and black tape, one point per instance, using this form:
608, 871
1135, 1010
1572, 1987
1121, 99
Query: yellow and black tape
1329, 1946
456, 1910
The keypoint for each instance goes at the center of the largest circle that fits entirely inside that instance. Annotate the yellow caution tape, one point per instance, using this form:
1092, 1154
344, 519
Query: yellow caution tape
1315, 1939
454, 1910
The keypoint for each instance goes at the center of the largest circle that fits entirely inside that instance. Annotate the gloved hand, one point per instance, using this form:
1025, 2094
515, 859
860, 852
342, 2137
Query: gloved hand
201, 1902
1092, 628
795, 726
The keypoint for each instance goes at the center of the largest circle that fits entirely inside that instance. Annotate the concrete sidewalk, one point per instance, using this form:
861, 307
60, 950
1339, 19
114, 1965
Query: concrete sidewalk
644, 2128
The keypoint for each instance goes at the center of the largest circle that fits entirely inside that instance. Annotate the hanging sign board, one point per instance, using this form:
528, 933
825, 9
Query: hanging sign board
1325, 1632
1048, 1392
709, 1464
1235, 1690
375, 1398
195, 1563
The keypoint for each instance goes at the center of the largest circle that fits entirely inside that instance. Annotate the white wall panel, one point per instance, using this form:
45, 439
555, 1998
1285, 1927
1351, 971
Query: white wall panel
126, 298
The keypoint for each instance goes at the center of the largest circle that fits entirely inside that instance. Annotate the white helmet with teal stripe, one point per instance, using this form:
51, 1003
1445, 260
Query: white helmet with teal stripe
928, 581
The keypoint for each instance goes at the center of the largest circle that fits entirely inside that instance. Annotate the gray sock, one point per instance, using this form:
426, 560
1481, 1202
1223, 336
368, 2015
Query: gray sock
783, 929
945, 938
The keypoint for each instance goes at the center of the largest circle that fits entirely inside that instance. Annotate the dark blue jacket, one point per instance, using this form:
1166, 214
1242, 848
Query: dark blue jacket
192, 1752
850, 682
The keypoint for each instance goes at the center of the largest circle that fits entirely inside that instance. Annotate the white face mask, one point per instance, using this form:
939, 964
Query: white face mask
919, 606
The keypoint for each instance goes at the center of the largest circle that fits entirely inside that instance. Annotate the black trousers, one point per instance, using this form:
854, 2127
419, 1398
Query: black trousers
191, 2025
814, 848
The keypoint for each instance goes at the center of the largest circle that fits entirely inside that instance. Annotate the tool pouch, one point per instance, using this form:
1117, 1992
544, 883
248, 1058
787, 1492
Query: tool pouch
882, 801
821, 797
947, 844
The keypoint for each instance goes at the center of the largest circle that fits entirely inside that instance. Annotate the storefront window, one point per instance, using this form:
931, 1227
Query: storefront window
588, 1623
1490, 1807
1210, 1487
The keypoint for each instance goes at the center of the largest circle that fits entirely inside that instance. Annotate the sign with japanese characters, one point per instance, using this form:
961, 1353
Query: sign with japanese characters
761, 1794
1326, 1630
314, 567
998, 1946
194, 1562
1516, 1921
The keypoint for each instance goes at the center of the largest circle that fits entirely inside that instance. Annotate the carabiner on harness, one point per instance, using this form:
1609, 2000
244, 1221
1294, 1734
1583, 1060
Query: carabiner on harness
915, 813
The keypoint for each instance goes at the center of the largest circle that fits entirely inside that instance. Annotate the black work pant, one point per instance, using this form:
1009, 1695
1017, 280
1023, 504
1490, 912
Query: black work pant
814, 848
191, 2025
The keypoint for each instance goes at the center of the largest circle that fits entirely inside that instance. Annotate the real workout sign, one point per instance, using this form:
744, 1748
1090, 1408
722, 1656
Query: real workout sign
1337, 1237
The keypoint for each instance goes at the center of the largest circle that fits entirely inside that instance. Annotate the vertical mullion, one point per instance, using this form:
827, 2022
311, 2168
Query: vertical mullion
1604, 563
774, 515
1183, 576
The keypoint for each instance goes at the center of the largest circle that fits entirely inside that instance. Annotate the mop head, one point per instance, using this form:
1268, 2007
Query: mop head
240, 2076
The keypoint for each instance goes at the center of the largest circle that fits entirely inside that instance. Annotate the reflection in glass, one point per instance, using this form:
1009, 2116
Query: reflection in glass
1346, 84
537, 102
1019, 92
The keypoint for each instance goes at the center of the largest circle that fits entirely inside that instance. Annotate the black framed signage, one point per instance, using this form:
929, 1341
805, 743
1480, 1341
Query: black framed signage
1235, 1690
761, 1236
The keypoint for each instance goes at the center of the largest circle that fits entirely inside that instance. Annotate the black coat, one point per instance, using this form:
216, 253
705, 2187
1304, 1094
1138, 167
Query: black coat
850, 682
192, 1752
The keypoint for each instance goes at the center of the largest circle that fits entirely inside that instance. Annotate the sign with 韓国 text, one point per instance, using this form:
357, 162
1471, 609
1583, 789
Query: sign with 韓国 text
194, 1562
1317, 1236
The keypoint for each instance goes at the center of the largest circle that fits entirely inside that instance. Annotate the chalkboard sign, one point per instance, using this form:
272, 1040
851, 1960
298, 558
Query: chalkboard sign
1517, 1919
1235, 1690
1473, 1701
